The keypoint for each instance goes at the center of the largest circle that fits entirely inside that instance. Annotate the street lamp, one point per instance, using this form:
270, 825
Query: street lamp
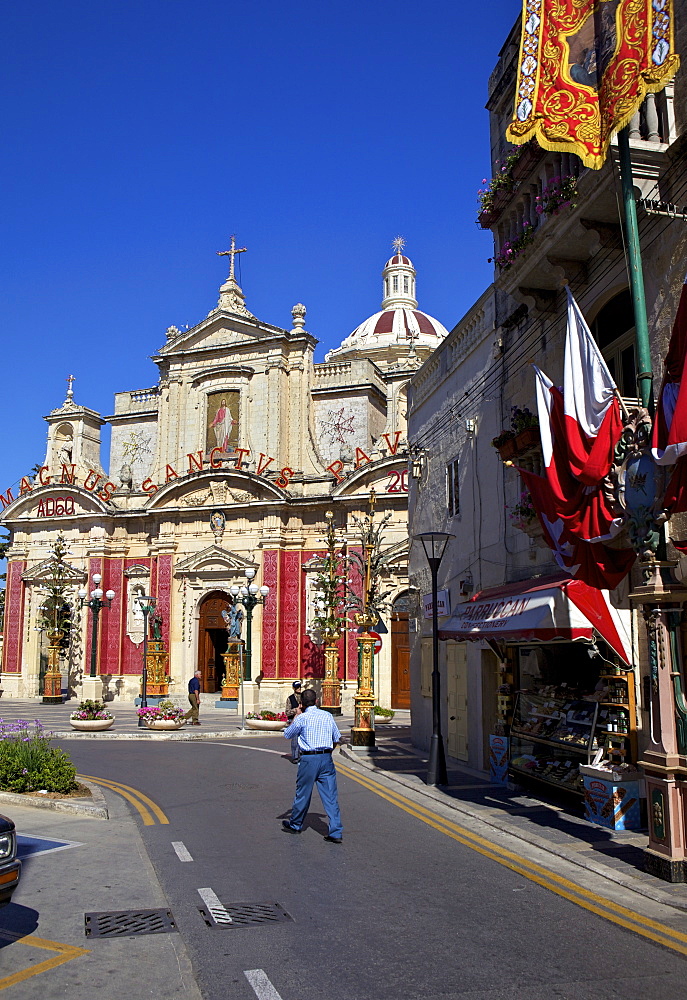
249, 597
96, 604
146, 609
434, 543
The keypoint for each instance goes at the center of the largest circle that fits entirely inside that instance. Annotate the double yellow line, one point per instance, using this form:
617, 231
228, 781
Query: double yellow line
606, 908
147, 810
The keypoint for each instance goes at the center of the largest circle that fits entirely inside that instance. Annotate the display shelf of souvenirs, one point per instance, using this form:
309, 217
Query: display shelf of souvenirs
617, 714
556, 720
551, 735
552, 765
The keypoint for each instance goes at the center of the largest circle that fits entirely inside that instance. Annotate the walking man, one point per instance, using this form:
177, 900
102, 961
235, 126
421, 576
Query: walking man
194, 698
293, 703
317, 736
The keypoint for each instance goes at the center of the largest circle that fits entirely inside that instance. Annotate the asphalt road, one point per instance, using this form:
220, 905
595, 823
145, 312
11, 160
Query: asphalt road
399, 910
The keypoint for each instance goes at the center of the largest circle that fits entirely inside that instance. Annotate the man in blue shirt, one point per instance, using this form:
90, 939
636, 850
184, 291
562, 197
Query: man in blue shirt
317, 736
194, 698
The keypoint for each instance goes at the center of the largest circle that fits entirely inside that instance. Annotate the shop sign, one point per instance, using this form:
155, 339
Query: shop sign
443, 603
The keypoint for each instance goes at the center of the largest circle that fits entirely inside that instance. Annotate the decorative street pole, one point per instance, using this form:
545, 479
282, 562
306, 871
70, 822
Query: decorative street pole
146, 609
362, 732
332, 624
434, 543
249, 596
96, 604
56, 620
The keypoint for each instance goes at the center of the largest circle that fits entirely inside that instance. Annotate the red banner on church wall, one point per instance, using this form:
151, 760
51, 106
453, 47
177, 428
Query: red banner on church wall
585, 67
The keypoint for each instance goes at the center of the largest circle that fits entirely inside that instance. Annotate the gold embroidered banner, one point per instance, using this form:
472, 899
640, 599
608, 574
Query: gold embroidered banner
585, 68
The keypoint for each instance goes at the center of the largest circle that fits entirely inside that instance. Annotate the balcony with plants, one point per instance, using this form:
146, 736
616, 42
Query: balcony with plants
547, 211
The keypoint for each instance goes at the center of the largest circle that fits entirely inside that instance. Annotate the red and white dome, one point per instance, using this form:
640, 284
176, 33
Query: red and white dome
399, 327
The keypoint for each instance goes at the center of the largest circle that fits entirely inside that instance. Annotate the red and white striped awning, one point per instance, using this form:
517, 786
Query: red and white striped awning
552, 609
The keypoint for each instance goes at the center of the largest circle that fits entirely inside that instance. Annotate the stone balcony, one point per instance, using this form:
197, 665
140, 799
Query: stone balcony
562, 243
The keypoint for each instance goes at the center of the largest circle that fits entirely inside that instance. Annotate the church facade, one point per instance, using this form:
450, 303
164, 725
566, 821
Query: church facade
225, 467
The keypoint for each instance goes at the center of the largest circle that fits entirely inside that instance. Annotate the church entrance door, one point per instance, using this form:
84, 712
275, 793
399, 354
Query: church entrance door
212, 640
400, 653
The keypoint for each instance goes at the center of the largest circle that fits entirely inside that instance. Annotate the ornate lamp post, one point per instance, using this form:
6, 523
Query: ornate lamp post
434, 543
96, 604
249, 596
146, 608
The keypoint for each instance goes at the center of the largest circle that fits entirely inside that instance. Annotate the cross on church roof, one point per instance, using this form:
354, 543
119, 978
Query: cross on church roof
69, 379
399, 244
231, 253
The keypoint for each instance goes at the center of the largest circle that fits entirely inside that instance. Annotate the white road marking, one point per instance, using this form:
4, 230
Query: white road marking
279, 753
262, 987
182, 851
217, 911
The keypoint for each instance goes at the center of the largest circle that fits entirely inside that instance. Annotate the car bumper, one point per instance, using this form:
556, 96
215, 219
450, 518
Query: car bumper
10, 874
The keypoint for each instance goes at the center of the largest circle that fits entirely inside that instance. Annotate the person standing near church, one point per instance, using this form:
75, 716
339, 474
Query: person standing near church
194, 698
293, 704
317, 735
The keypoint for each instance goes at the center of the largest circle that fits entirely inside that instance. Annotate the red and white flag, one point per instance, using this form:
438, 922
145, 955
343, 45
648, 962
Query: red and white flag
587, 511
590, 402
669, 437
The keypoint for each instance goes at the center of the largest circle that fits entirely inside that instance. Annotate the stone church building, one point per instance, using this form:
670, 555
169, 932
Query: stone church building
227, 464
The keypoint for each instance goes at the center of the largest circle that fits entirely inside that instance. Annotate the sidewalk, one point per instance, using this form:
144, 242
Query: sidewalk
216, 723
73, 866
556, 826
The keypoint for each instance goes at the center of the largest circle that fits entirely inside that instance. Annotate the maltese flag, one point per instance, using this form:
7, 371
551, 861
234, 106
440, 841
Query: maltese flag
669, 437
590, 403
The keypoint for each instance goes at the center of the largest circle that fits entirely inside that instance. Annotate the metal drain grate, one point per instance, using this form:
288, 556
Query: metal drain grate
123, 923
246, 914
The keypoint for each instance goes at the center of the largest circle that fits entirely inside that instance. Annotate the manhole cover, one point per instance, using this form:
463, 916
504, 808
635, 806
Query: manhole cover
245, 914
123, 923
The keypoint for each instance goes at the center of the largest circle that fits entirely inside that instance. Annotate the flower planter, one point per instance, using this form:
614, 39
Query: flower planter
507, 449
383, 718
529, 438
166, 725
266, 725
91, 725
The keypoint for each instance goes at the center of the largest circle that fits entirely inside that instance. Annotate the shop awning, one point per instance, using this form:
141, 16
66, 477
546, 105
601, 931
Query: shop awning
552, 609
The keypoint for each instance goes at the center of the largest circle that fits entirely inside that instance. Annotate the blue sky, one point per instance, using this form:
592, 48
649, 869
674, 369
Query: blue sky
139, 135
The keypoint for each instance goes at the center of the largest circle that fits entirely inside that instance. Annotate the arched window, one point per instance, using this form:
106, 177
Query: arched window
614, 332
405, 283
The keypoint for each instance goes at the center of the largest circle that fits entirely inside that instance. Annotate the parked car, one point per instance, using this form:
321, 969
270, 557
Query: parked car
10, 867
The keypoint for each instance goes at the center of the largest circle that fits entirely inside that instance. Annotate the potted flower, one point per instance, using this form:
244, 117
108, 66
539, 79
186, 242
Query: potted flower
383, 714
524, 516
269, 722
166, 716
504, 444
525, 426
91, 716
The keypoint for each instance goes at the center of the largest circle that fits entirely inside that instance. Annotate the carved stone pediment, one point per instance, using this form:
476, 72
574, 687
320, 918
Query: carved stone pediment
137, 572
44, 571
214, 559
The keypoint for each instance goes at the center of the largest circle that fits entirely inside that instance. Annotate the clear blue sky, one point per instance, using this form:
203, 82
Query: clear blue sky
139, 134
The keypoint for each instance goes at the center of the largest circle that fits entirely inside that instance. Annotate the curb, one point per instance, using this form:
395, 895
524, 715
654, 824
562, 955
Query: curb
93, 810
416, 785
71, 734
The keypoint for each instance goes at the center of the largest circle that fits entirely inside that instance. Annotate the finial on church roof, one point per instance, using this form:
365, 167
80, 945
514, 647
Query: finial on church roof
298, 312
231, 253
398, 244
70, 392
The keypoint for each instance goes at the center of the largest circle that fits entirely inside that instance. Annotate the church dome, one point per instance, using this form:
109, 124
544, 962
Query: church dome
399, 326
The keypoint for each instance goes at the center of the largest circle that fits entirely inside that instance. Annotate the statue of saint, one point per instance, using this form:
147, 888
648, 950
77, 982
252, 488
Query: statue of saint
156, 626
233, 619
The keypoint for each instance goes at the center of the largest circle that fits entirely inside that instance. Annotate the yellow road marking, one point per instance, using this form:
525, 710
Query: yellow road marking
65, 953
614, 912
138, 799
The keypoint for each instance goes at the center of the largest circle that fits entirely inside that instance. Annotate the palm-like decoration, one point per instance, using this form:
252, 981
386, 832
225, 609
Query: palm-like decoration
330, 617
369, 565
56, 609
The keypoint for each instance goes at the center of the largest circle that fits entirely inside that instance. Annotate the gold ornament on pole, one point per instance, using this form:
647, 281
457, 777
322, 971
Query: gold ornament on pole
329, 621
56, 620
